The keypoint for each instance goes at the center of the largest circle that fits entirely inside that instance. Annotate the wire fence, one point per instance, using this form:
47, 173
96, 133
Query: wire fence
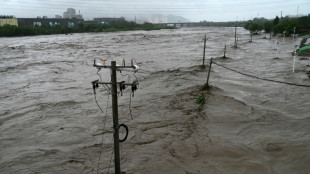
260, 78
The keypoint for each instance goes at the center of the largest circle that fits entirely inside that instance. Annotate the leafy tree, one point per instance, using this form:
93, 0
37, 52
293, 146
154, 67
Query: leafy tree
255, 27
9, 30
267, 26
276, 21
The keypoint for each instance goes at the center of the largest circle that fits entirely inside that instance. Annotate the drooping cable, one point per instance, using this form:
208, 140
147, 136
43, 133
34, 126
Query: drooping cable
99, 74
111, 156
130, 111
106, 115
260, 78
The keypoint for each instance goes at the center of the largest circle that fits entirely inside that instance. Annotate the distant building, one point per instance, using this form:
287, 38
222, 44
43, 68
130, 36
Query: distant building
8, 20
58, 16
79, 16
157, 20
70, 14
49, 22
106, 20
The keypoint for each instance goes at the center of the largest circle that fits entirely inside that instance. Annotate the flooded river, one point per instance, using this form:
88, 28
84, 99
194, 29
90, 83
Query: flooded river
50, 122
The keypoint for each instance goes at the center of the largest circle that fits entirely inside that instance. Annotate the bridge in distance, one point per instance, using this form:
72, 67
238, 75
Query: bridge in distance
180, 24
205, 23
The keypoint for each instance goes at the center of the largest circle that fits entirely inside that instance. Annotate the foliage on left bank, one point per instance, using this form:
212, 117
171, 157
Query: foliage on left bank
11, 31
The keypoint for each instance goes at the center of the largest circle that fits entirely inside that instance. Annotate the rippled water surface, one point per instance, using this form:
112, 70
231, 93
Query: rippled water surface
50, 123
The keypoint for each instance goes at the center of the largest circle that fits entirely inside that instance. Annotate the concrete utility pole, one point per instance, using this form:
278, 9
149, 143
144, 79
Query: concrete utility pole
114, 84
115, 119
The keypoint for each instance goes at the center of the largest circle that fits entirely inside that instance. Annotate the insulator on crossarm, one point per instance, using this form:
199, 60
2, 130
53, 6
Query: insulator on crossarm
136, 68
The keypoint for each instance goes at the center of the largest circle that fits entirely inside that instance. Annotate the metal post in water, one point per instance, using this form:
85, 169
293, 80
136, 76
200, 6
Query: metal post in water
251, 37
270, 35
294, 35
236, 36
295, 47
276, 41
209, 73
277, 49
225, 51
284, 36
204, 51
115, 118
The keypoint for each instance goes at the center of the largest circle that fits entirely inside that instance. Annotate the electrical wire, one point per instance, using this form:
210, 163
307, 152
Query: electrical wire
125, 75
111, 155
99, 74
104, 121
145, 71
260, 78
97, 103
130, 111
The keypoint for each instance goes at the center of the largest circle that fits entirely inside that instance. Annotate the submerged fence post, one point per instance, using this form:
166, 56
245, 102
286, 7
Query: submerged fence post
209, 74
295, 53
251, 37
225, 51
204, 51
235, 36
277, 49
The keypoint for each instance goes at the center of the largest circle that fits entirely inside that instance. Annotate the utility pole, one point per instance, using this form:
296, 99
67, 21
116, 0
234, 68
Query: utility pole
204, 51
114, 84
297, 10
115, 119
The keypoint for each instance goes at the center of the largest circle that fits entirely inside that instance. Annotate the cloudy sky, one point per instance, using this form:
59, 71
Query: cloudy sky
194, 10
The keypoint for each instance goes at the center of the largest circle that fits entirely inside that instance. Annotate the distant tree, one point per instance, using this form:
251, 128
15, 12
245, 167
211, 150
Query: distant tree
267, 26
279, 28
255, 27
276, 21
247, 24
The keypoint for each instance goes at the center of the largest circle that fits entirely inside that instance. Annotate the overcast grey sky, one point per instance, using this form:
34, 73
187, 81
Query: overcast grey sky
194, 10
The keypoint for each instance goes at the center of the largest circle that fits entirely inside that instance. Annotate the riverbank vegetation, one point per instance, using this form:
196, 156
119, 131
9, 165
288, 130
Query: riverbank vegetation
11, 31
301, 25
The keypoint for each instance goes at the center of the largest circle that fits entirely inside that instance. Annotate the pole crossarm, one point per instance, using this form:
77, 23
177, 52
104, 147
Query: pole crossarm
117, 67
100, 65
109, 83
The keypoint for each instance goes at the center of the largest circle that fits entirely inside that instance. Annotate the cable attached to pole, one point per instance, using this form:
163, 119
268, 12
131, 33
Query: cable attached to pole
260, 78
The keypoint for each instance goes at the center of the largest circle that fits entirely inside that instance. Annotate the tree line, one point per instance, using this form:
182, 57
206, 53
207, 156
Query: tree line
301, 25
11, 31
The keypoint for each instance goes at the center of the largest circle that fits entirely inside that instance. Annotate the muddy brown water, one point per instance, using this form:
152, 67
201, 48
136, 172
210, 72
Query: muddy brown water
50, 122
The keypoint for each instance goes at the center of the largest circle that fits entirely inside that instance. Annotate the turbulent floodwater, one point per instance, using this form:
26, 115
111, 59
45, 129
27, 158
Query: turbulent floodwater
50, 123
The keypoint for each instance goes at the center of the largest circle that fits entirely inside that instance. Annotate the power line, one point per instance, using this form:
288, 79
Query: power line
133, 10
165, 4
260, 78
